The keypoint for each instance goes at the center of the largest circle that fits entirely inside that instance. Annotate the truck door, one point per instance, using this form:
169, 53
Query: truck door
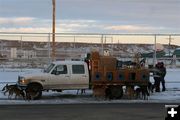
79, 77
59, 77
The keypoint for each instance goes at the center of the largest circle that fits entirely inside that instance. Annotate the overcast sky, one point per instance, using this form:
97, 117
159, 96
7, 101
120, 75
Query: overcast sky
95, 16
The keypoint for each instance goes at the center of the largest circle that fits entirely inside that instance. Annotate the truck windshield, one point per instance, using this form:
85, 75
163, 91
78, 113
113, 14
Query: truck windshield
49, 68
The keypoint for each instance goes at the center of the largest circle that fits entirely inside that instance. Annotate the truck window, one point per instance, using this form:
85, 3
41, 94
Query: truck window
78, 69
60, 69
49, 68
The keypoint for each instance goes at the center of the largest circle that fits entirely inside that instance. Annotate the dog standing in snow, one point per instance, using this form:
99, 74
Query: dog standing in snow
13, 90
141, 92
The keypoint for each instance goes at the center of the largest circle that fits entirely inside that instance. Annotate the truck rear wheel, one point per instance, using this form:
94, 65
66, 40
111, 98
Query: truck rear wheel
114, 92
34, 91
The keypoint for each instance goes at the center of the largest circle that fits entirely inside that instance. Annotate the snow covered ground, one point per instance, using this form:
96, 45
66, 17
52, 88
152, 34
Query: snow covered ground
172, 95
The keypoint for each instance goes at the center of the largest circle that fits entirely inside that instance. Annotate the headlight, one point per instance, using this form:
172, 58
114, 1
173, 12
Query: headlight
22, 81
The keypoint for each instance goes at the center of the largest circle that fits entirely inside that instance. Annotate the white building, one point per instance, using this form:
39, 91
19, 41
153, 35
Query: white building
28, 54
13, 53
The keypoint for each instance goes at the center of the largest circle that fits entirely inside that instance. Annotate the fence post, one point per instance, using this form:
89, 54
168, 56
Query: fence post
49, 48
154, 56
102, 43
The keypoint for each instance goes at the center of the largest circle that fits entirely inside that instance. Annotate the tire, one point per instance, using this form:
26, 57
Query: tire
114, 92
108, 93
34, 91
118, 92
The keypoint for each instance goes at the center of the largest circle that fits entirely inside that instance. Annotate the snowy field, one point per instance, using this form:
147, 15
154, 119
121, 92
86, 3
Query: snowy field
172, 95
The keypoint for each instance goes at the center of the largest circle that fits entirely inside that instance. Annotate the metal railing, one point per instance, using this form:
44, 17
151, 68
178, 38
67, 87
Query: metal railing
37, 46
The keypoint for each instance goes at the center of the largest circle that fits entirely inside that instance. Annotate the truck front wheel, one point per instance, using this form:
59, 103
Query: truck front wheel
33, 91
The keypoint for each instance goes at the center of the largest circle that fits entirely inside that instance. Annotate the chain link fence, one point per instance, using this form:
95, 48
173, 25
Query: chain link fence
33, 50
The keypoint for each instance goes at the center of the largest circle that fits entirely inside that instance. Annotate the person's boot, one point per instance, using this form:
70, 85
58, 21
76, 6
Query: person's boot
164, 89
157, 90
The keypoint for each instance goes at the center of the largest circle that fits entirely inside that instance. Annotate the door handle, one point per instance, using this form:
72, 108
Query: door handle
42, 80
67, 76
84, 76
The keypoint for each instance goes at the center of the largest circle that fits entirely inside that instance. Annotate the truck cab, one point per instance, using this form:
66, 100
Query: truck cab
59, 75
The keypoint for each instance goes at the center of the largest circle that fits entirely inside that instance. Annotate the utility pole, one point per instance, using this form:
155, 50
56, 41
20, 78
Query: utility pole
53, 31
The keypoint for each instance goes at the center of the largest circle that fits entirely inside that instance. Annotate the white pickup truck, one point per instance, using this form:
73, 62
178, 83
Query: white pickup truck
105, 77
59, 75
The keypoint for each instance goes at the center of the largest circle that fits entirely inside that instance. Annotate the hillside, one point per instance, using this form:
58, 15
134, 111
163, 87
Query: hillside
73, 50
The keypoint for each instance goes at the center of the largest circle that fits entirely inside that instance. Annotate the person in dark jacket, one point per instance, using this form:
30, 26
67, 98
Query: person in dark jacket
157, 77
163, 74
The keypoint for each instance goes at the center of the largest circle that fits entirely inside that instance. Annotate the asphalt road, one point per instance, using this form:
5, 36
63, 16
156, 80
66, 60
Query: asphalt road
124, 111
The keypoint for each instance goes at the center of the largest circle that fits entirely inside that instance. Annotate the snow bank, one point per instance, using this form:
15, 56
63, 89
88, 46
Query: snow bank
172, 95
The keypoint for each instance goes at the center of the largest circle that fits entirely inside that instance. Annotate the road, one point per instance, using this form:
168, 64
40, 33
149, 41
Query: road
123, 111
